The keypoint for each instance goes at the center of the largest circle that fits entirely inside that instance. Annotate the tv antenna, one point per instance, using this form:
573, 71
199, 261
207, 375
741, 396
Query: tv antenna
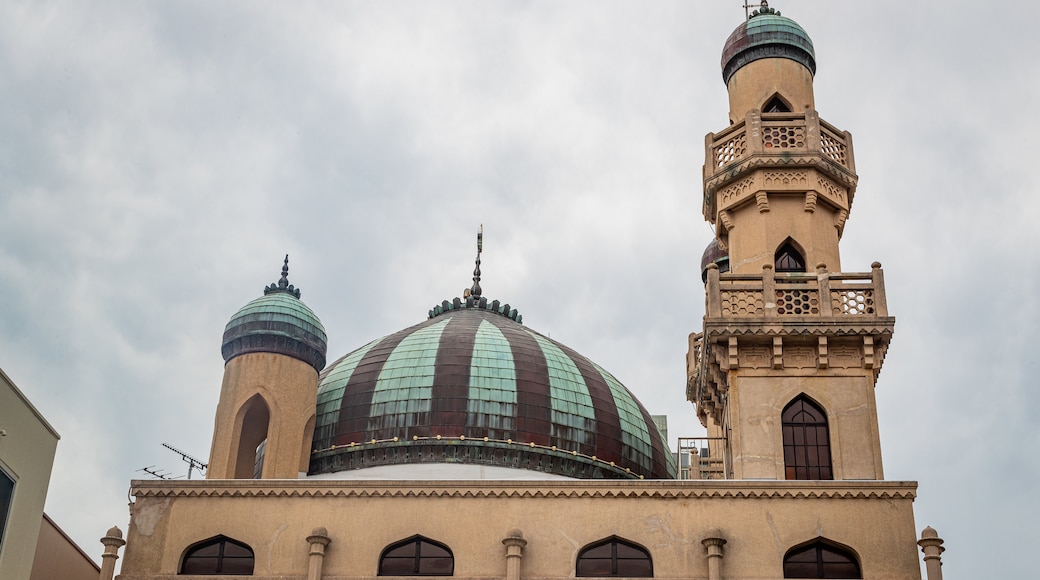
748, 6
192, 462
156, 473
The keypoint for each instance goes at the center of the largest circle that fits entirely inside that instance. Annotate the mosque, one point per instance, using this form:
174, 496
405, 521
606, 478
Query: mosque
470, 445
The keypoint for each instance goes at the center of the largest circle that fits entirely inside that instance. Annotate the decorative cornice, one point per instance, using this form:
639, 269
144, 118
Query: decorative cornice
882, 326
647, 489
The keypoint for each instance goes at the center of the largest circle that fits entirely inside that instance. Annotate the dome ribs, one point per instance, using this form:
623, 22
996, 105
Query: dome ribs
450, 398
533, 397
608, 422
356, 404
659, 461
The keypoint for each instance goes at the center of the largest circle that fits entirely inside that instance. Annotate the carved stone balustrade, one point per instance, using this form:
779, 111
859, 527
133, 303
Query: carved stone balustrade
781, 140
788, 322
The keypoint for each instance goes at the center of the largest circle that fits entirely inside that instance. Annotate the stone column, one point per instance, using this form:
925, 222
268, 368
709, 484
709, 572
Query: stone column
112, 541
932, 546
713, 544
318, 540
514, 544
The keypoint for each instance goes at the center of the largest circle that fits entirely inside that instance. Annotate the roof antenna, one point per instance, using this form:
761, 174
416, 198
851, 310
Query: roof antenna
191, 461
475, 289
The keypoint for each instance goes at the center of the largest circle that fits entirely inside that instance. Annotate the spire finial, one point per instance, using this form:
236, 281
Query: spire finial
284, 281
475, 289
283, 284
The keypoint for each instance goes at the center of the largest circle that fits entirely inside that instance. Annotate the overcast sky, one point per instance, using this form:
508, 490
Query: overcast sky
157, 160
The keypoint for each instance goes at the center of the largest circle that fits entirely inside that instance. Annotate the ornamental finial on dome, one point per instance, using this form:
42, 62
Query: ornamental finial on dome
475, 289
283, 284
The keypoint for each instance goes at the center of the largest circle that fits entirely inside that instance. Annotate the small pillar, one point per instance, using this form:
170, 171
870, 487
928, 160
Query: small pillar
318, 540
932, 546
112, 541
514, 544
713, 544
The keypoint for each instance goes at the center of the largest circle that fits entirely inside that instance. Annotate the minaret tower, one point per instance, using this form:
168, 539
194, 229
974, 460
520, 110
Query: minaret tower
783, 374
273, 349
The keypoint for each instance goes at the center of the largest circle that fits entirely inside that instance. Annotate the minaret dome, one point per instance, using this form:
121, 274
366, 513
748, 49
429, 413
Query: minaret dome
768, 64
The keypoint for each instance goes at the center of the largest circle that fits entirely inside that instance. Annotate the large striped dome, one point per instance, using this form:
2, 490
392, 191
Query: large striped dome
472, 385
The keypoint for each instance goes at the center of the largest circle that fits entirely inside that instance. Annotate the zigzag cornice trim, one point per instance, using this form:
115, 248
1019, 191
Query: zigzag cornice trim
884, 327
830, 167
718, 489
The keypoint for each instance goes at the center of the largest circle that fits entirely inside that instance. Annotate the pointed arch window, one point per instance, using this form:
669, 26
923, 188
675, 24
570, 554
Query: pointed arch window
417, 556
776, 105
788, 258
614, 557
807, 443
821, 559
218, 556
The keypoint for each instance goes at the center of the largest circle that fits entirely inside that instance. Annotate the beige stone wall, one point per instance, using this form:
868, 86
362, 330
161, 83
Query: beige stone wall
756, 82
289, 389
760, 230
847, 396
760, 521
26, 454
59, 558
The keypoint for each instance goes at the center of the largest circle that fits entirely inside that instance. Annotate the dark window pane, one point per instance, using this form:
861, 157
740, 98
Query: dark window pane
435, 566
603, 551
237, 566
820, 560
634, 568
397, 566
433, 551
199, 566
405, 551
626, 551
594, 567
235, 551
209, 550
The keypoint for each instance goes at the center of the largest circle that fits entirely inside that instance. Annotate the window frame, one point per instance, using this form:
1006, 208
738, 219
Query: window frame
5, 510
820, 448
418, 541
819, 545
222, 541
613, 542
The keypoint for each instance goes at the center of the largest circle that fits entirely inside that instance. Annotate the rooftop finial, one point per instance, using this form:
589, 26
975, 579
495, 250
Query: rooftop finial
283, 284
284, 281
475, 289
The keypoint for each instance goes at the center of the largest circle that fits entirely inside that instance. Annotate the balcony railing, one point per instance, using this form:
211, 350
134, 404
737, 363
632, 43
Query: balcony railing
702, 458
778, 134
819, 294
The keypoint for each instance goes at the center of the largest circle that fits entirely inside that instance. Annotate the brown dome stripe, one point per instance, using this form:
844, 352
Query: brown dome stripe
608, 424
357, 396
450, 397
660, 462
533, 397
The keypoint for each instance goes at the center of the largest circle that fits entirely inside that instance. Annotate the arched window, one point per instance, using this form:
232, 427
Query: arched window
776, 105
807, 443
614, 557
416, 556
220, 555
788, 258
820, 559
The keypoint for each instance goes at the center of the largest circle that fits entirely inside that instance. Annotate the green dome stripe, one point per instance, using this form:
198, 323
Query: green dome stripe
571, 403
492, 381
280, 307
634, 432
405, 383
330, 391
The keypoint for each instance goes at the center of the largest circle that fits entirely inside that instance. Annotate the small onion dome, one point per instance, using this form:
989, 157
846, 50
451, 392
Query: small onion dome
714, 254
473, 385
278, 322
766, 34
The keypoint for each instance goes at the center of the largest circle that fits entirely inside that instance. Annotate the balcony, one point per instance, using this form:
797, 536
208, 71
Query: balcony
776, 140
